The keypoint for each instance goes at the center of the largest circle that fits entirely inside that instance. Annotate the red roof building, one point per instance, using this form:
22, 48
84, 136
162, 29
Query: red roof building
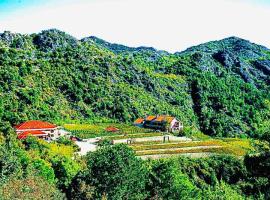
150, 118
139, 121
159, 122
24, 135
35, 128
112, 129
35, 124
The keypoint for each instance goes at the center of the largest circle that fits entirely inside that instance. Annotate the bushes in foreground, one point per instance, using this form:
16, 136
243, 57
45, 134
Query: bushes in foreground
114, 172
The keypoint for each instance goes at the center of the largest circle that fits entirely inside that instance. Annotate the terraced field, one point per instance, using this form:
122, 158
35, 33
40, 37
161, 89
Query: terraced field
149, 144
237, 147
86, 131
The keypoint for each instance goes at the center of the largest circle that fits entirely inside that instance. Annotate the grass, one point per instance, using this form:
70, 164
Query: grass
238, 147
234, 146
175, 145
221, 150
139, 135
99, 130
178, 151
92, 134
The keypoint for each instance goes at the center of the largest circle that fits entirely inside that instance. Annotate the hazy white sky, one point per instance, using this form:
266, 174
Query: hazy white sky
171, 25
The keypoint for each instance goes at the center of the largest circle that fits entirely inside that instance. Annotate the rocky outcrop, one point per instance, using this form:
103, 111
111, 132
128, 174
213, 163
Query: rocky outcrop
53, 39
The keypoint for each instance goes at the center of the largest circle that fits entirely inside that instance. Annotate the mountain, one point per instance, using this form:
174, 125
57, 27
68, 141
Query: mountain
246, 59
220, 88
119, 48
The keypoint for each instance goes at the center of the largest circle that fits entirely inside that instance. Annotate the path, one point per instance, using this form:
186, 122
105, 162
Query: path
86, 147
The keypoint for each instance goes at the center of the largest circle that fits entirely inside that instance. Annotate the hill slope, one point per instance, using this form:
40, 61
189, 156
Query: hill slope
221, 87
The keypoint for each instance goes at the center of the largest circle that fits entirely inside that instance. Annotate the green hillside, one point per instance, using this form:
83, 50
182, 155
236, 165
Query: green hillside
220, 88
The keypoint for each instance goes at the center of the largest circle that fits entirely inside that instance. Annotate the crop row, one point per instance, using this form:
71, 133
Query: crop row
138, 135
221, 150
176, 145
101, 127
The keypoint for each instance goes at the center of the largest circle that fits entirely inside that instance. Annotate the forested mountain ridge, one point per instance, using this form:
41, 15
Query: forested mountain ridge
220, 87
118, 48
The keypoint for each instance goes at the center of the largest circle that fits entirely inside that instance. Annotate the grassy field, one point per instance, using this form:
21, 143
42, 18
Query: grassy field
138, 135
174, 145
238, 147
221, 150
99, 130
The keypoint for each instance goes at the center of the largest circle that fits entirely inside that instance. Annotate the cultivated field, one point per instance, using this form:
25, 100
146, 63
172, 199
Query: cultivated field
99, 130
150, 144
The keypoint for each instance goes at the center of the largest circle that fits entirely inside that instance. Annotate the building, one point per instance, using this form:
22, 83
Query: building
112, 129
139, 122
39, 129
160, 122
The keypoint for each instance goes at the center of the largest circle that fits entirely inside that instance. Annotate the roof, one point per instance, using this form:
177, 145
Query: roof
35, 124
139, 121
23, 135
150, 118
164, 118
112, 129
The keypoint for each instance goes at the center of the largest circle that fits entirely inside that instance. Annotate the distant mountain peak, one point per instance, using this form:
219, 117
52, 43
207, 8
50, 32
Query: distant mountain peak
234, 38
233, 44
119, 48
52, 39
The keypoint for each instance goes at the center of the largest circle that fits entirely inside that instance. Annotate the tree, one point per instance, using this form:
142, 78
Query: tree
10, 163
43, 169
115, 172
221, 191
258, 166
167, 182
32, 187
80, 189
65, 169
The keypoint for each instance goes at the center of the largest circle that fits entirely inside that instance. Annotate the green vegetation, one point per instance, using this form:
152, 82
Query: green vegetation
246, 144
208, 151
35, 169
127, 177
99, 130
114, 171
52, 76
218, 89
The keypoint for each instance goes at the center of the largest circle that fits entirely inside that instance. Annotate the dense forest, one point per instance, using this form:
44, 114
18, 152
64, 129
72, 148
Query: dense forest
219, 88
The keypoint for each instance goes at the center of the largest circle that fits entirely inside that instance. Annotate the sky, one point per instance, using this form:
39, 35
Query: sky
171, 25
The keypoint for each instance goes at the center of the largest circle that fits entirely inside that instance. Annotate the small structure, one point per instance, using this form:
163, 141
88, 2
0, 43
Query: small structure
39, 129
160, 122
139, 122
112, 129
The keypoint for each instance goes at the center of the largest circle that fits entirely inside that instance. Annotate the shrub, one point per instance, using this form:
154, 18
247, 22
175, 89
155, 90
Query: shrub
32, 187
115, 172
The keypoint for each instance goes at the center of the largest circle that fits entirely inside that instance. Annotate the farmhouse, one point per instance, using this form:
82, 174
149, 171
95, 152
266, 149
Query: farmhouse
39, 129
159, 122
